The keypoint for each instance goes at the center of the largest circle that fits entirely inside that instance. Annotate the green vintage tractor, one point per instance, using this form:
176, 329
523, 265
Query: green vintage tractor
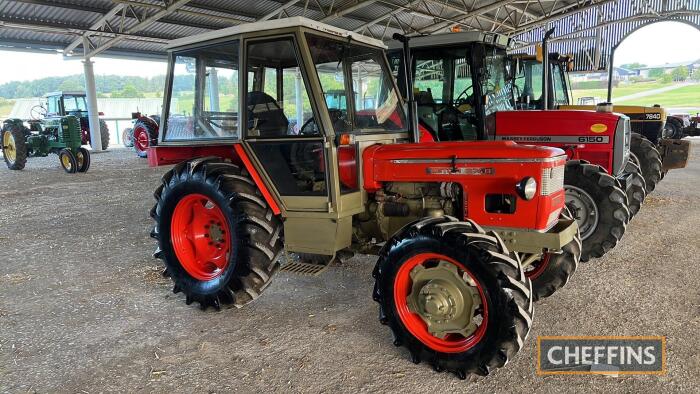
56, 135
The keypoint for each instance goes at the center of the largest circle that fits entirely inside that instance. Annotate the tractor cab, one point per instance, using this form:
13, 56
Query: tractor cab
459, 82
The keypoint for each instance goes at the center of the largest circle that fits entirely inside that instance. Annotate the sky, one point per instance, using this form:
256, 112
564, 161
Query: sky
659, 43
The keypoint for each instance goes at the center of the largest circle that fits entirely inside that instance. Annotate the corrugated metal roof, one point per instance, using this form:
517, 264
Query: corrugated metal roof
54, 25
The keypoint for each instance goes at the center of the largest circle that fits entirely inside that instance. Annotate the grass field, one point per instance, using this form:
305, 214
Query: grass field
6, 107
687, 96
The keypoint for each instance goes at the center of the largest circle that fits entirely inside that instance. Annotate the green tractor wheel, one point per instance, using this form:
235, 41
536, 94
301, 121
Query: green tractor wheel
14, 146
83, 160
68, 161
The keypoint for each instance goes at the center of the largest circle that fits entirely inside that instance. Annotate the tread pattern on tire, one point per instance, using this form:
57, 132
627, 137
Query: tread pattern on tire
649, 160
514, 295
612, 206
18, 132
559, 269
636, 192
259, 231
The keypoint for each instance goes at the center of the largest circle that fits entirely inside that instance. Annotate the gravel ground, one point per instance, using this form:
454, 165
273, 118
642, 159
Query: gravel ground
83, 307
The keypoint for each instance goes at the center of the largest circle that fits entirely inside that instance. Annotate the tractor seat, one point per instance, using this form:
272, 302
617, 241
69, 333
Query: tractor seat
272, 122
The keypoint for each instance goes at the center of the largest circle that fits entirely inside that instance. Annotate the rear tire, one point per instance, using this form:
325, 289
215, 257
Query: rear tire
145, 135
248, 231
673, 129
104, 134
14, 146
636, 192
553, 271
649, 160
599, 206
505, 292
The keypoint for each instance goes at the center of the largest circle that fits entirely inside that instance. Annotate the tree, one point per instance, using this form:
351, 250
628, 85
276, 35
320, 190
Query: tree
696, 75
633, 66
656, 73
129, 91
680, 73
666, 78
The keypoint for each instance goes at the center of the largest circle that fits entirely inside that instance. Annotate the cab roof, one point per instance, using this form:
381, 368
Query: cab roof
271, 25
72, 93
454, 39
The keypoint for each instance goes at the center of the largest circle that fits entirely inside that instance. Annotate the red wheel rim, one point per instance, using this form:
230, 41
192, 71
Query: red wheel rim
199, 233
452, 343
142, 140
539, 266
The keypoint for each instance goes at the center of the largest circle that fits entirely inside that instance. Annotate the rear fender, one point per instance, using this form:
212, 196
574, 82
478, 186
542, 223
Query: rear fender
166, 155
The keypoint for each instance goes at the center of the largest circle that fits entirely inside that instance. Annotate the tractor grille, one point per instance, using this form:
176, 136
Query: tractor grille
552, 180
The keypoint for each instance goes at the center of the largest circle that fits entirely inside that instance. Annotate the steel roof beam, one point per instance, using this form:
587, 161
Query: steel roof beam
95, 26
174, 6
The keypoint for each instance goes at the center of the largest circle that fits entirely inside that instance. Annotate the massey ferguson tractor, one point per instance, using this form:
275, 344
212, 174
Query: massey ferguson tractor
144, 133
60, 104
654, 154
463, 89
454, 224
57, 135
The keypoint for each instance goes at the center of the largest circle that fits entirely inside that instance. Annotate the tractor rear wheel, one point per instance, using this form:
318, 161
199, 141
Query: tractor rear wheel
68, 161
552, 271
645, 154
83, 159
104, 134
145, 135
453, 295
216, 234
598, 205
14, 146
636, 191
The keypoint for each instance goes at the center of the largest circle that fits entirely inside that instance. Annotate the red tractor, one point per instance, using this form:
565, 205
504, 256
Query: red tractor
463, 87
455, 224
144, 133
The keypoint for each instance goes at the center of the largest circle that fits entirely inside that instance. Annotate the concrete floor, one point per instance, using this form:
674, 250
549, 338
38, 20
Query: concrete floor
83, 307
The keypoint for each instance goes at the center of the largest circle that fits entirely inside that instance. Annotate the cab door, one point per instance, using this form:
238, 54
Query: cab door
282, 129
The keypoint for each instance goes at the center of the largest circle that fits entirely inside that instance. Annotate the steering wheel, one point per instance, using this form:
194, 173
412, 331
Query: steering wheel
37, 112
464, 92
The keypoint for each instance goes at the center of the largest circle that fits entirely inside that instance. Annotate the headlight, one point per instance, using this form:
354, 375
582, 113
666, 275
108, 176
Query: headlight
527, 188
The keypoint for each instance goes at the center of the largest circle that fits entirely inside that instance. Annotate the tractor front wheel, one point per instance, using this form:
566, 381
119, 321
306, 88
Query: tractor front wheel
598, 205
128, 137
68, 161
648, 158
636, 191
453, 295
83, 160
145, 135
216, 234
14, 146
552, 271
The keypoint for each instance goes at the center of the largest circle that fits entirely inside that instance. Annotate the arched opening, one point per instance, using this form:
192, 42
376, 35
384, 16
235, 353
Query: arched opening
655, 63
659, 63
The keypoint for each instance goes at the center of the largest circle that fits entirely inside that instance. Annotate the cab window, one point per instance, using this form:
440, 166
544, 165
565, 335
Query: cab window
210, 111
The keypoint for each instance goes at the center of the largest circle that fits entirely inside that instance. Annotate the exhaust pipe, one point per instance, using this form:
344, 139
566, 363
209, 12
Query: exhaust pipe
546, 79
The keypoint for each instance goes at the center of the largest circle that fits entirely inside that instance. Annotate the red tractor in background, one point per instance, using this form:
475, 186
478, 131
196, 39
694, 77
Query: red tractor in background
246, 186
463, 83
144, 133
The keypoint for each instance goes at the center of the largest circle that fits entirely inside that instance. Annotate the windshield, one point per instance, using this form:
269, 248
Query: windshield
497, 90
74, 104
344, 67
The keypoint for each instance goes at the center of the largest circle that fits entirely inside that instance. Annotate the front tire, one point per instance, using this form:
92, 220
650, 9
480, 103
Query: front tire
636, 191
645, 154
128, 137
500, 307
552, 271
598, 205
68, 161
216, 234
83, 160
14, 146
